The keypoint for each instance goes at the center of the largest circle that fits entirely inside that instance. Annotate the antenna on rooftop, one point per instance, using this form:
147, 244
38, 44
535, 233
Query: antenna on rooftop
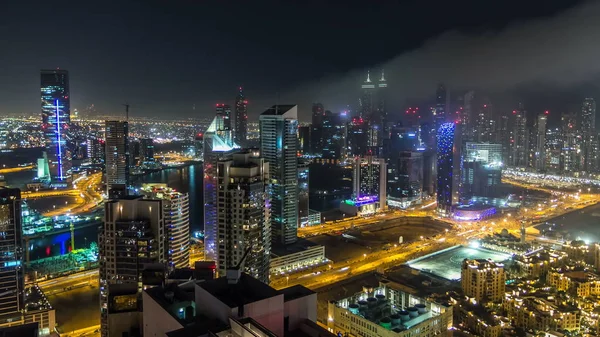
234, 273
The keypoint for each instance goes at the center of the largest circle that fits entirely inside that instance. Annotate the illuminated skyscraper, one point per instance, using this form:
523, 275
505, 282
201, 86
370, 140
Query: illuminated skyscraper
176, 215
448, 167
117, 158
366, 101
224, 113
521, 138
441, 111
540, 146
278, 146
218, 143
241, 118
382, 110
588, 133
369, 179
56, 120
243, 215
11, 243
571, 142
146, 150
133, 253
316, 129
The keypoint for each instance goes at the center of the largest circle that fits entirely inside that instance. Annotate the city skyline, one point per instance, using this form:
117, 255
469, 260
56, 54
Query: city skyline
332, 81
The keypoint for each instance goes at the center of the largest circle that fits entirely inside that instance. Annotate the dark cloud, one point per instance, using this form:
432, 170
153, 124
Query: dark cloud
554, 52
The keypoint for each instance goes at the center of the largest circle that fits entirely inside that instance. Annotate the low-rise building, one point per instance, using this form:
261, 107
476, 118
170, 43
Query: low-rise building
578, 283
539, 262
530, 312
483, 280
388, 312
233, 306
300, 255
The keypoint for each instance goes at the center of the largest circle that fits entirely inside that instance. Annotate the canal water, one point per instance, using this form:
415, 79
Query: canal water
186, 179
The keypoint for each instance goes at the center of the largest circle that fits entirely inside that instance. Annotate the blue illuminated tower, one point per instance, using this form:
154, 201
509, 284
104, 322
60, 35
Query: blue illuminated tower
279, 148
56, 119
448, 167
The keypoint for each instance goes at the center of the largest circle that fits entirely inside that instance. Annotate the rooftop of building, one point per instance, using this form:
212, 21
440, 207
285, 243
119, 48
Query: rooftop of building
278, 110
24, 330
298, 246
295, 292
246, 290
482, 264
173, 298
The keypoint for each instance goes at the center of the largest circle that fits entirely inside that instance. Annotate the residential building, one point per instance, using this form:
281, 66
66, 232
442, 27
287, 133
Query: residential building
483, 280
117, 158
243, 215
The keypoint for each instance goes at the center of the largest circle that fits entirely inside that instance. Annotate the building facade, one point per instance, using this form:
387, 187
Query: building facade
218, 144
448, 167
133, 252
278, 146
56, 121
240, 126
117, 157
176, 209
243, 215
483, 280
11, 243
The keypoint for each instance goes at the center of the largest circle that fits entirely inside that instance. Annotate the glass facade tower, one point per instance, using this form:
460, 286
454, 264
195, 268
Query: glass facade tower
449, 167
56, 119
279, 147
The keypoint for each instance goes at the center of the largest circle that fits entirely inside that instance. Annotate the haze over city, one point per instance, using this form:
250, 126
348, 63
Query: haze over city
299, 169
182, 57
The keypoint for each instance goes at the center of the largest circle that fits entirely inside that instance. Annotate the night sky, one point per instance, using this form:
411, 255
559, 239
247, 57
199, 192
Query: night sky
164, 57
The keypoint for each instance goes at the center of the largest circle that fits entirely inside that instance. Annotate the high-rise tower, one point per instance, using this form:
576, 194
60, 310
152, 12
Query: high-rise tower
448, 167
241, 118
540, 146
218, 143
176, 214
133, 252
117, 158
441, 112
278, 146
56, 120
243, 215
11, 269
366, 101
521, 138
588, 133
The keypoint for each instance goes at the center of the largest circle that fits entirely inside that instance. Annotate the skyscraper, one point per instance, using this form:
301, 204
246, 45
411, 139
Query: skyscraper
482, 169
133, 252
369, 179
146, 150
448, 167
241, 118
382, 110
117, 158
218, 143
467, 116
366, 101
278, 146
176, 214
540, 146
303, 191
521, 138
56, 120
243, 218
441, 112
570, 143
333, 131
224, 113
316, 129
406, 185
588, 133
11, 243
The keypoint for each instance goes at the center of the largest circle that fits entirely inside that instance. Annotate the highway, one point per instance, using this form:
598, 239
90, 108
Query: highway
85, 192
16, 169
67, 283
